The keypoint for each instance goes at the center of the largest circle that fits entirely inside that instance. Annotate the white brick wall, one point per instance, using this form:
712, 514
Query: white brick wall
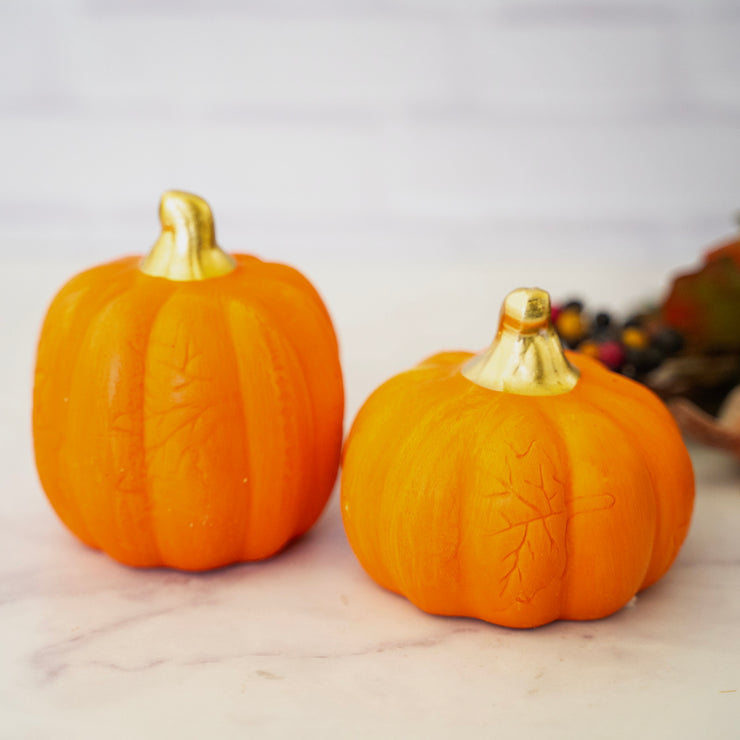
460, 129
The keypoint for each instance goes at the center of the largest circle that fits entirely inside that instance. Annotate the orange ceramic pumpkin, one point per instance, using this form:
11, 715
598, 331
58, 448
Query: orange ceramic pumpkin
517, 486
188, 407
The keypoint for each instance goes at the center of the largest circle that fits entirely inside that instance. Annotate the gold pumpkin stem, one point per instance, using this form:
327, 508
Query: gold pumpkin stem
186, 248
526, 356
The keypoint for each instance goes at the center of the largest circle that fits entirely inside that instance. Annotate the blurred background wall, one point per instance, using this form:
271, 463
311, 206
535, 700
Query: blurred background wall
405, 128
590, 146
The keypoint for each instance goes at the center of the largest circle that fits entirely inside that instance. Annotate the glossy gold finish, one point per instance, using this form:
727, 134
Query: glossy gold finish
186, 248
526, 356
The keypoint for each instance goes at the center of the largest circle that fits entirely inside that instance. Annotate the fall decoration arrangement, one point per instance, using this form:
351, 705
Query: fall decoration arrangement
686, 347
188, 407
521, 485
703, 386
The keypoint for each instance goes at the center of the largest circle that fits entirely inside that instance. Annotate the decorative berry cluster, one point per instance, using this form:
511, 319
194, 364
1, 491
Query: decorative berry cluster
632, 348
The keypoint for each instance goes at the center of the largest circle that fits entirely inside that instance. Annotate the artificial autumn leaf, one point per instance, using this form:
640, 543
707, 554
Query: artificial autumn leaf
705, 305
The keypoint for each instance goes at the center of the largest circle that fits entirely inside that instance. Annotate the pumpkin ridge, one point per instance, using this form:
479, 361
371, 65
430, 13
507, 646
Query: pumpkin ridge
151, 523
466, 552
158, 295
261, 317
146, 445
291, 281
279, 379
664, 552
454, 442
397, 466
532, 581
288, 276
296, 298
225, 303
629, 435
370, 541
108, 504
249, 464
119, 284
188, 415
47, 384
187, 487
580, 446
566, 468
282, 380
305, 518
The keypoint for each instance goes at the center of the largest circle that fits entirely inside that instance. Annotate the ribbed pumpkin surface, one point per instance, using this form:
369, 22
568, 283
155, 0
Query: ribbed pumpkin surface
188, 424
518, 510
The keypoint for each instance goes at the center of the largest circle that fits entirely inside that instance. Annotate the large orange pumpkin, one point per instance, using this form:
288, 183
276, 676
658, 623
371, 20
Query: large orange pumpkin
188, 407
517, 486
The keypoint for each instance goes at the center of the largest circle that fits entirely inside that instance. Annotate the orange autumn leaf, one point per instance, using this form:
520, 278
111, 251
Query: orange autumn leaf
705, 305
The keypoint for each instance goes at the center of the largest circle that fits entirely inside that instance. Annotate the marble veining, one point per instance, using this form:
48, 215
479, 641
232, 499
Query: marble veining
306, 642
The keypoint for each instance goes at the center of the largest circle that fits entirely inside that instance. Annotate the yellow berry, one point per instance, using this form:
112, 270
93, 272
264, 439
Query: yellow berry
589, 348
635, 338
570, 325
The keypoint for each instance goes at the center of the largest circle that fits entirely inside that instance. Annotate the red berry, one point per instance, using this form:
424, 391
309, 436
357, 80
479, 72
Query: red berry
611, 353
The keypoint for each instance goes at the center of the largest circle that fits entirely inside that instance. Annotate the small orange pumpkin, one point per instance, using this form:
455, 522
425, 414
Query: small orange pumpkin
519, 486
188, 407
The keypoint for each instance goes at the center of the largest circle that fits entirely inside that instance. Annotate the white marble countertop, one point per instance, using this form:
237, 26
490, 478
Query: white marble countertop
418, 159
306, 645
